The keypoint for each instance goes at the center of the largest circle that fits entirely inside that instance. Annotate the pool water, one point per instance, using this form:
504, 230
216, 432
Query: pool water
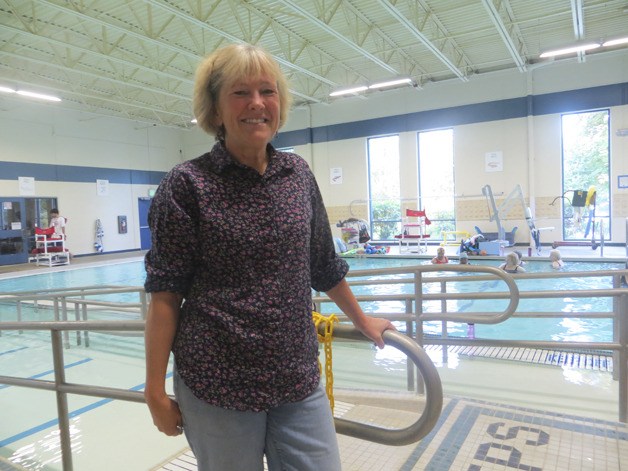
133, 274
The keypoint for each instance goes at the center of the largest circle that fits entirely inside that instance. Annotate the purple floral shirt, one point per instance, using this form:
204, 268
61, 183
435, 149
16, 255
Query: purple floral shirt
245, 251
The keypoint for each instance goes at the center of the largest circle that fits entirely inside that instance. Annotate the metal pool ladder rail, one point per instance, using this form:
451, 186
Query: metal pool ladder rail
433, 392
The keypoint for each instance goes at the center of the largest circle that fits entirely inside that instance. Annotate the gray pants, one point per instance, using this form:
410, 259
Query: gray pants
294, 437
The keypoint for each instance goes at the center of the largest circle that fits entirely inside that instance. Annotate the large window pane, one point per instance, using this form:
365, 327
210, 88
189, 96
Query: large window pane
436, 180
384, 188
586, 168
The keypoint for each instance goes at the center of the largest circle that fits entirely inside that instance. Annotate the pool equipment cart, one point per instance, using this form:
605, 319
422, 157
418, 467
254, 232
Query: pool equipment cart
354, 232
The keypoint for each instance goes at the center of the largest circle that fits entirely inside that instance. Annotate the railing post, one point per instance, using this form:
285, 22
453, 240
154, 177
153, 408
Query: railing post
410, 333
64, 317
84, 317
444, 332
62, 400
621, 315
77, 317
418, 306
19, 313
144, 301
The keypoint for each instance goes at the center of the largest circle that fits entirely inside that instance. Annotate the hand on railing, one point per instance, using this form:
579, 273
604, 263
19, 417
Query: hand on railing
433, 393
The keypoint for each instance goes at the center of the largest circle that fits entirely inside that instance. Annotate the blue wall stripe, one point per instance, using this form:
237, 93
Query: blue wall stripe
72, 173
532, 105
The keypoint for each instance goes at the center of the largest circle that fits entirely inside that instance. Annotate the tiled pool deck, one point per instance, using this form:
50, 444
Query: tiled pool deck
474, 435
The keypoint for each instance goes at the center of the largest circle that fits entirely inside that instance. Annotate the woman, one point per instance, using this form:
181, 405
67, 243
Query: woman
556, 260
240, 238
512, 264
440, 258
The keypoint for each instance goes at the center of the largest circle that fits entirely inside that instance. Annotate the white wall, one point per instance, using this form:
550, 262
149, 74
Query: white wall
37, 133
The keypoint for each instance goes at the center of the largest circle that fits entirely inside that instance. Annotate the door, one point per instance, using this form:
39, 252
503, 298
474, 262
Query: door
143, 205
14, 232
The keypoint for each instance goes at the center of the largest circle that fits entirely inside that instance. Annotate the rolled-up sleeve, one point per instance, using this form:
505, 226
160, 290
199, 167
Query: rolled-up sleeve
326, 268
173, 224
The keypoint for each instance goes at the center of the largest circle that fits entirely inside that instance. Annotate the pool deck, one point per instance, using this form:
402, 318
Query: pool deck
473, 435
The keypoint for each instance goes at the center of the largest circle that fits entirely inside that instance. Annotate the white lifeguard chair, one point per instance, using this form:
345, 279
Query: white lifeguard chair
50, 249
414, 231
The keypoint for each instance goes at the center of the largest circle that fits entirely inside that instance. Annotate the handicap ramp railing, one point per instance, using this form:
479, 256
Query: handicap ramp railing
410, 434
424, 292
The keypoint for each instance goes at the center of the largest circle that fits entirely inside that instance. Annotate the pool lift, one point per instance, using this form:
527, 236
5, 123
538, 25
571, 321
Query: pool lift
499, 212
581, 201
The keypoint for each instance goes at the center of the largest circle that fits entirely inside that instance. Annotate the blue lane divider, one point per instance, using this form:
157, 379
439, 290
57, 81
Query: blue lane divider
55, 422
13, 351
49, 372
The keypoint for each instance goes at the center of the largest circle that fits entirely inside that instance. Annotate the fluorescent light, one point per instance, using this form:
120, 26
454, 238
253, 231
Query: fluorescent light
194, 121
615, 42
570, 49
6, 90
39, 96
348, 91
390, 83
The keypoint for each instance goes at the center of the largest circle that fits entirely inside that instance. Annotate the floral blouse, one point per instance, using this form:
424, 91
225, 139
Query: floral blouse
245, 251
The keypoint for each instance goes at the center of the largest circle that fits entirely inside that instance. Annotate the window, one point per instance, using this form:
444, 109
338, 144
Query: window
436, 180
586, 154
384, 187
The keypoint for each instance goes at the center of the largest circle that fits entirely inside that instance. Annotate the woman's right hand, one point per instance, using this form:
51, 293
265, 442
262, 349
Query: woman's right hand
166, 414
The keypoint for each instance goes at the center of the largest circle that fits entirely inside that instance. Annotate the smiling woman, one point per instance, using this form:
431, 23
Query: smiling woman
215, 288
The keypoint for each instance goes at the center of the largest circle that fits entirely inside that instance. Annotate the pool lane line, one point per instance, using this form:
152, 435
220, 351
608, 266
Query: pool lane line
49, 372
55, 422
13, 351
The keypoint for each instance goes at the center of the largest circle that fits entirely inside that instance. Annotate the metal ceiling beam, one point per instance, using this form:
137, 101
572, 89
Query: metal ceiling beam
577, 17
505, 35
421, 37
93, 75
178, 13
142, 38
328, 29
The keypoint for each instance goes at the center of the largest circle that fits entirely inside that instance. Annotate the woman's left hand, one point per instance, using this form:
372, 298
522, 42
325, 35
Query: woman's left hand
374, 327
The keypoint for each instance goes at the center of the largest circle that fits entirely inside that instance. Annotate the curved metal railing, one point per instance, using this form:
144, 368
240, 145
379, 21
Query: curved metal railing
433, 392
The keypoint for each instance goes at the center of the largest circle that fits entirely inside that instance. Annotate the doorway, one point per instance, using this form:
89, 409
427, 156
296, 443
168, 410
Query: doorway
18, 219
143, 205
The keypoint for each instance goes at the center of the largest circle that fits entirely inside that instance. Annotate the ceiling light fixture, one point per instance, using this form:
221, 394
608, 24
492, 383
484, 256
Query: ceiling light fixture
570, 49
6, 90
390, 83
615, 42
39, 96
194, 121
348, 91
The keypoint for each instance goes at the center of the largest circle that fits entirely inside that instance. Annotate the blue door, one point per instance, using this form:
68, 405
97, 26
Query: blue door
143, 205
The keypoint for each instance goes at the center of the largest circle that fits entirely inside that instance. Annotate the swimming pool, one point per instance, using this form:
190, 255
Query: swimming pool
556, 329
133, 274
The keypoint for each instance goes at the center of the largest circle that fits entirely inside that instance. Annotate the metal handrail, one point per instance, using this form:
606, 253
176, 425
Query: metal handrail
416, 431
433, 392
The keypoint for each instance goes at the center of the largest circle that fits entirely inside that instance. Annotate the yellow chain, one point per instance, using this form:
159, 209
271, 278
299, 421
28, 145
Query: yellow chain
326, 341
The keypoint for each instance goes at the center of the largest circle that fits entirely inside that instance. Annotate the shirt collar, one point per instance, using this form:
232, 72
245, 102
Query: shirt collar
221, 160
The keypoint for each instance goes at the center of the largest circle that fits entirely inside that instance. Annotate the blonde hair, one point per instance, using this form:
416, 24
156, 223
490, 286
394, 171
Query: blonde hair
225, 66
554, 255
512, 259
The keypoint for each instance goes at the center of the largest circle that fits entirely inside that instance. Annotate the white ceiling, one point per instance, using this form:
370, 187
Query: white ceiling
136, 58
